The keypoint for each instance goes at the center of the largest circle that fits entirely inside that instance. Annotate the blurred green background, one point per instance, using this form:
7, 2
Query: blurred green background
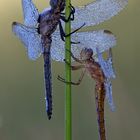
22, 104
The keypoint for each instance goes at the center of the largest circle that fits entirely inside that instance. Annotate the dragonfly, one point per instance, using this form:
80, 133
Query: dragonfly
36, 35
31, 34
94, 42
91, 61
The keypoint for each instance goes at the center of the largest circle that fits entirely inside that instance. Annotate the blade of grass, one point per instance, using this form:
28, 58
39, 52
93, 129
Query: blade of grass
68, 106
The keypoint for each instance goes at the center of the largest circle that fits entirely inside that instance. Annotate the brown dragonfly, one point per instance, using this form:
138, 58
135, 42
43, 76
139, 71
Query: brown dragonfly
90, 60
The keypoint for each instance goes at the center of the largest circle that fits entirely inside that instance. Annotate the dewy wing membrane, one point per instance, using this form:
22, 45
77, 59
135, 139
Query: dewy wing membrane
30, 38
30, 13
92, 39
97, 12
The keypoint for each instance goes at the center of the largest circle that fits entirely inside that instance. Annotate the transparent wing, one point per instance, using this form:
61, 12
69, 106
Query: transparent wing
108, 70
102, 39
109, 97
106, 65
97, 12
58, 47
30, 13
30, 38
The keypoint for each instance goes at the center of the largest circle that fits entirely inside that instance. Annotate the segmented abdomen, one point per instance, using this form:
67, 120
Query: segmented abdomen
48, 81
100, 97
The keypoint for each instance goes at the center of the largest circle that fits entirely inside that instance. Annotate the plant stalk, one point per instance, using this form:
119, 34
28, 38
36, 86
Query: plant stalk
68, 100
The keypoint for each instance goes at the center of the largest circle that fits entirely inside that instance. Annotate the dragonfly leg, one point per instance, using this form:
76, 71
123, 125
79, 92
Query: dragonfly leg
74, 67
64, 81
63, 35
61, 31
72, 83
76, 59
75, 30
71, 16
72, 12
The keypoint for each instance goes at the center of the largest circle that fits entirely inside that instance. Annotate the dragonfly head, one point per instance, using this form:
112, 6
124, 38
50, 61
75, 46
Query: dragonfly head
57, 3
53, 3
86, 53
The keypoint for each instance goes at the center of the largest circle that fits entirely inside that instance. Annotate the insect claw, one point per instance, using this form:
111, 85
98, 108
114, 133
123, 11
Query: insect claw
60, 78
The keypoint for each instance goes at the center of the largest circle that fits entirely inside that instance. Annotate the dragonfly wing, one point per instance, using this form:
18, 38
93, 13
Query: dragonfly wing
110, 64
30, 13
58, 47
109, 97
97, 12
101, 39
106, 65
30, 38
108, 70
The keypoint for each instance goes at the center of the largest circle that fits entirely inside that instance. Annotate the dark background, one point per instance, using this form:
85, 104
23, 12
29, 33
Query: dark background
22, 104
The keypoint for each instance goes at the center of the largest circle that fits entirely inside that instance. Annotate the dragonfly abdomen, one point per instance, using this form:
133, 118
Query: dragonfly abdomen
48, 81
100, 97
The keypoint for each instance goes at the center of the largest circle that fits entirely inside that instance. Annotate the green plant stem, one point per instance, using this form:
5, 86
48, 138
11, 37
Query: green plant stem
68, 106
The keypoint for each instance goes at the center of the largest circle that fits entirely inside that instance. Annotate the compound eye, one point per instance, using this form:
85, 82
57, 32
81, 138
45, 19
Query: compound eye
53, 3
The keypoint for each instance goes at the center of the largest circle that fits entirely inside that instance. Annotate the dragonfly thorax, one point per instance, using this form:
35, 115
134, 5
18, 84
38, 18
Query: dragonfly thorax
49, 19
95, 71
48, 22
